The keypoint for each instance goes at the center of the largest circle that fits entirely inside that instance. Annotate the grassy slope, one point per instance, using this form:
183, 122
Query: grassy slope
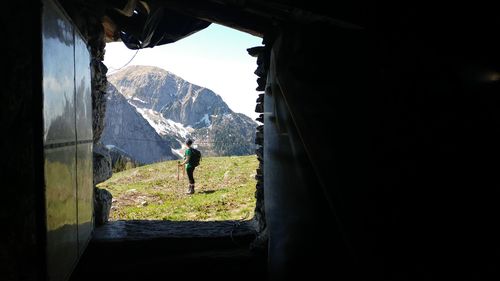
225, 188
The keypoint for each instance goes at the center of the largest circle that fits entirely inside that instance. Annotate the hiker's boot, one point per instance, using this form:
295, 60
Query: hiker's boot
190, 189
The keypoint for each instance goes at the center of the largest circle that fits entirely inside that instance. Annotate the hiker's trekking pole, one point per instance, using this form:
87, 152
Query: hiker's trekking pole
178, 162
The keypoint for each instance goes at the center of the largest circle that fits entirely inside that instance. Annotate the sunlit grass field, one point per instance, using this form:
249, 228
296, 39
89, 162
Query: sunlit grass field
225, 188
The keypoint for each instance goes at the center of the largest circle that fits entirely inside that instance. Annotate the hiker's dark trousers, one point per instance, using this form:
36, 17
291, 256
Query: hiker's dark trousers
190, 171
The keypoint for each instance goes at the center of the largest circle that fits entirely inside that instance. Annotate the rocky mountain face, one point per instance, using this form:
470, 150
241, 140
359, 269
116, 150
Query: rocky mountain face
127, 131
223, 137
177, 109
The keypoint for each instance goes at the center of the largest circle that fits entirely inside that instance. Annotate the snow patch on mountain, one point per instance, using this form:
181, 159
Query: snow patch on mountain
177, 152
139, 100
162, 125
204, 120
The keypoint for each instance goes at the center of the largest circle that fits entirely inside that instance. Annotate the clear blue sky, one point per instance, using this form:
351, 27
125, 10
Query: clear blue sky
215, 58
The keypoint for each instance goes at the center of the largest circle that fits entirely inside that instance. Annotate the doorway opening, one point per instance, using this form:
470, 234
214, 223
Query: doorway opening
199, 88
153, 222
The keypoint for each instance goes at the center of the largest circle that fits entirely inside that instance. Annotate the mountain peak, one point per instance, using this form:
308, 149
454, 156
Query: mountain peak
153, 88
139, 70
177, 108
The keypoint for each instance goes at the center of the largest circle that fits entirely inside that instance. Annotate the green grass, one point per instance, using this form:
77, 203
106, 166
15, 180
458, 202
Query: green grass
225, 188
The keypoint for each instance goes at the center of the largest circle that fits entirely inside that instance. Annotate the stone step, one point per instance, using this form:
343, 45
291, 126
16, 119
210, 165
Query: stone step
144, 250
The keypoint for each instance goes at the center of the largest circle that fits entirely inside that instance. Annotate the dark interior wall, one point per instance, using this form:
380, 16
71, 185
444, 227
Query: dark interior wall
388, 135
311, 88
23, 218
21, 173
436, 144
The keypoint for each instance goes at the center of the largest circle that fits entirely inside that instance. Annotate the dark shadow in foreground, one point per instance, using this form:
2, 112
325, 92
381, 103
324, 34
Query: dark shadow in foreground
143, 250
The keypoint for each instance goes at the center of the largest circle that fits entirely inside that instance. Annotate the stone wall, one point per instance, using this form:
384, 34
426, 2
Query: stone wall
262, 55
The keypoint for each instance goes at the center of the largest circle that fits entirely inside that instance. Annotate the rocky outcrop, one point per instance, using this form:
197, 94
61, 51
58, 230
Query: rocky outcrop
102, 164
102, 205
102, 172
120, 160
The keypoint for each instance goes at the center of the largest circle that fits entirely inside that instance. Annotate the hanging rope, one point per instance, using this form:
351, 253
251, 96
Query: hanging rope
116, 69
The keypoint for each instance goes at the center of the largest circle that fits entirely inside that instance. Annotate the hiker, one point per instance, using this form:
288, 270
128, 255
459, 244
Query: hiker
189, 167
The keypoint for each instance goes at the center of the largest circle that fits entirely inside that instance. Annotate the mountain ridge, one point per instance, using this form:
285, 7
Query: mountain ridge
178, 110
